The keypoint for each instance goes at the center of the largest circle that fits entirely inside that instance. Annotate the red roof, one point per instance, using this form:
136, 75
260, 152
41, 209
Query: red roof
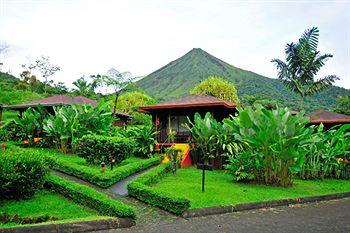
190, 101
57, 100
324, 116
65, 100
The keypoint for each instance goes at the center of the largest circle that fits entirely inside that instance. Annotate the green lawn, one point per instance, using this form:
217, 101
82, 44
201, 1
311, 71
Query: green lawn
221, 190
49, 204
76, 160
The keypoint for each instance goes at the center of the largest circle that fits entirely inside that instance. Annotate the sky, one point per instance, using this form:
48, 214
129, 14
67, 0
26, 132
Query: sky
89, 37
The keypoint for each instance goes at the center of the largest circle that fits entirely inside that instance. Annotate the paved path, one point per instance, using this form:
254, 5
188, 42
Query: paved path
323, 217
120, 188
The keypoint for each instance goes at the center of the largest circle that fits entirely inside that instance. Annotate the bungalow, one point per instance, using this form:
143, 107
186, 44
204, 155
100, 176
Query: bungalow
60, 100
173, 114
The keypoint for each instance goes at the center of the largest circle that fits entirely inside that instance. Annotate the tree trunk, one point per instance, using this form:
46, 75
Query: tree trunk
301, 103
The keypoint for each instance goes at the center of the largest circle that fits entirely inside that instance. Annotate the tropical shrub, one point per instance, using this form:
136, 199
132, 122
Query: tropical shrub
141, 189
91, 119
327, 154
207, 135
13, 132
269, 140
62, 126
22, 173
96, 148
30, 123
144, 137
90, 197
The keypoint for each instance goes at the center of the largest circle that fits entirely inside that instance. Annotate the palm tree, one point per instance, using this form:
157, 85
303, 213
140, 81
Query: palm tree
84, 88
303, 61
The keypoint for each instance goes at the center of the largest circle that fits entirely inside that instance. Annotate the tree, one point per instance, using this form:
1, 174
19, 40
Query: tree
303, 61
85, 88
252, 100
130, 101
217, 87
343, 105
120, 82
46, 69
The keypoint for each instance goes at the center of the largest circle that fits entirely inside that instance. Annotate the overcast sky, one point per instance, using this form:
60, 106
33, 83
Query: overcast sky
89, 37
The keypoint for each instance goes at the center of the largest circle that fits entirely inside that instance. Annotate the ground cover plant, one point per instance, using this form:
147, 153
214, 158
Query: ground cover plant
221, 191
42, 207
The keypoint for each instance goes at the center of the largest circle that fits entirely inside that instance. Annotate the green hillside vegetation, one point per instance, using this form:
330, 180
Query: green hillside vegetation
178, 77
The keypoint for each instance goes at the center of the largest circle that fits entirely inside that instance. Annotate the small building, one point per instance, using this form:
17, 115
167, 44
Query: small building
61, 100
174, 113
327, 118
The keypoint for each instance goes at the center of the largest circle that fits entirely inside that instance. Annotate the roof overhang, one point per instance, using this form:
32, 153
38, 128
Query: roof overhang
191, 105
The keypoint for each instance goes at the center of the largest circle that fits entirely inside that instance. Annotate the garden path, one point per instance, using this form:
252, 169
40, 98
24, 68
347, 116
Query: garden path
146, 213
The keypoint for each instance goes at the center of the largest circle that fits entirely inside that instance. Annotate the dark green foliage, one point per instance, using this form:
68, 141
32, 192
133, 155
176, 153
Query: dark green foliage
144, 137
303, 61
140, 188
343, 105
96, 148
13, 132
104, 180
90, 197
22, 173
327, 154
269, 141
180, 76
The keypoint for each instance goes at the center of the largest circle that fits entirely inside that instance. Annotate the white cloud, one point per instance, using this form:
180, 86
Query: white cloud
88, 37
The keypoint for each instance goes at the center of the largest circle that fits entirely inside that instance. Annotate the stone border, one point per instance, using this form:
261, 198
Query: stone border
84, 226
259, 205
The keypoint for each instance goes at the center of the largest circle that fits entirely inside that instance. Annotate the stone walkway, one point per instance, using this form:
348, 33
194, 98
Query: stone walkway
146, 213
323, 217
120, 188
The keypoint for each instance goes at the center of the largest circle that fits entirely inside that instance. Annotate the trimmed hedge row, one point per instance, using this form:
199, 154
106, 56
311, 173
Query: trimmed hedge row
90, 197
103, 180
140, 188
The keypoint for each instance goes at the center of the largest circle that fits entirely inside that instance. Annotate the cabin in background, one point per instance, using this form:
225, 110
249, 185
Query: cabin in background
327, 118
62, 100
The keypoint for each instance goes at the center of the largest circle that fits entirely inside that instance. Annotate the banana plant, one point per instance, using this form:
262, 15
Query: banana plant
30, 123
62, 125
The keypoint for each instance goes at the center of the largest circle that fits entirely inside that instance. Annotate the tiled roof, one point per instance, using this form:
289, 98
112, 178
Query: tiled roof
191, 101
324, 116
63, 100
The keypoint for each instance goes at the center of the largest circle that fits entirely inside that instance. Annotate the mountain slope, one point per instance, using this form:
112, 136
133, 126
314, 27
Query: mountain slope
178, 77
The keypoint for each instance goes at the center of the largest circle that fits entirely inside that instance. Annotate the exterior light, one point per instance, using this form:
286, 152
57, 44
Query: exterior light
103, 167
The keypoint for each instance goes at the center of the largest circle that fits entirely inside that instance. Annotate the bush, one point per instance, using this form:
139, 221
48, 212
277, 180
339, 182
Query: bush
144, 137
270, 140
96, 149
140, 188
90, 197
103, 180
21, 174
3, 135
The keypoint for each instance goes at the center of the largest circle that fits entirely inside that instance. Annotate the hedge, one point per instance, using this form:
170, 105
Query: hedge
90, 197
22, 173
103, 180
96, 148
140, 188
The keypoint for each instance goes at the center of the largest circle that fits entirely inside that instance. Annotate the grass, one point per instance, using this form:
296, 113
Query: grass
9, 115
49, 204
76, 160
220, 190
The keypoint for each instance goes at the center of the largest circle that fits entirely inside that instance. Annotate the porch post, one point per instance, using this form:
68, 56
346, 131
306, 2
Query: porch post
169, 127
1, 108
